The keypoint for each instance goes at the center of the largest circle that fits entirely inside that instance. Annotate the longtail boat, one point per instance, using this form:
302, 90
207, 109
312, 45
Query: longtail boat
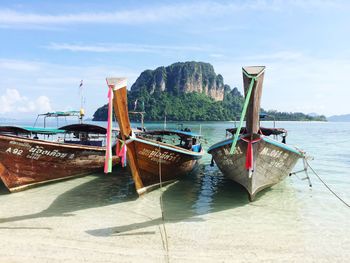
250, 157
152, 161
30, 156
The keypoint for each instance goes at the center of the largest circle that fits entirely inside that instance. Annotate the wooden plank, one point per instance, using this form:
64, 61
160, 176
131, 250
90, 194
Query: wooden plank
120, 106
151, 162
252, 117
27, 161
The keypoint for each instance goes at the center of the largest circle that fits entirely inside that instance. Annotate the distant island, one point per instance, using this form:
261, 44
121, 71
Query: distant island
345, 117
189, 91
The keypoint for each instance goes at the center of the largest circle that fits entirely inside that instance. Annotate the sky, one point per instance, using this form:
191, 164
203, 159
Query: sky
48, 47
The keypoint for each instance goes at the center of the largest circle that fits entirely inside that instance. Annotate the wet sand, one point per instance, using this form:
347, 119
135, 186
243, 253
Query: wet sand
99, 218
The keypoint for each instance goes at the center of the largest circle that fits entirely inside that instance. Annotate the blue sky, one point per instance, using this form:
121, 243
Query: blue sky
47, 47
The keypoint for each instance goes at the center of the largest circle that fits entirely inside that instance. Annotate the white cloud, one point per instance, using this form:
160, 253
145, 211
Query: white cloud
13, 101
168, 13
17, 65
136, 16
282, 55
299, 83
123, 47
54, 86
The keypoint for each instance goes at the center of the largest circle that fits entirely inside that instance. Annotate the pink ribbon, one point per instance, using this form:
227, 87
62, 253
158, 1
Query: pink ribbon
108, 160
121, 152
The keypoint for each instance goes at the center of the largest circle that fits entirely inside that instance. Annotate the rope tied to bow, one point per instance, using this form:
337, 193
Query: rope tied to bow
121, 151
244, 110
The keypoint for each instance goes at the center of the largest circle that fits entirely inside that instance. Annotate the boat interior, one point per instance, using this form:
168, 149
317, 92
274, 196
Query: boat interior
276, 132
82, 134
79, 133
183, 139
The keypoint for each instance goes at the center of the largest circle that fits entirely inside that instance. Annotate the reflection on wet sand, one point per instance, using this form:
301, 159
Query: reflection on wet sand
204, 191
101, 191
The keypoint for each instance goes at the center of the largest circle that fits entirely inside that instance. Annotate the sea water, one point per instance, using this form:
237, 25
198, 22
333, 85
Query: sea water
202, 218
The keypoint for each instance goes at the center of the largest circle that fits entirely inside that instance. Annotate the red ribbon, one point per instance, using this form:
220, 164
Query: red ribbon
249, 159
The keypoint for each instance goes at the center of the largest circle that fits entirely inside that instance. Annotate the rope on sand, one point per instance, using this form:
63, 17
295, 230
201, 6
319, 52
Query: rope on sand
327, 186
165, 238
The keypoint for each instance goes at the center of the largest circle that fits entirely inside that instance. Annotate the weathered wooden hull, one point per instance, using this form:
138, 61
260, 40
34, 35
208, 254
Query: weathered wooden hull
27, 162
160, 163
273, 161
151, 162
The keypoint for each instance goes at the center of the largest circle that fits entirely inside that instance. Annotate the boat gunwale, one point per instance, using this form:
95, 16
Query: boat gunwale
169, 147
173, 132
51, 143
268, 140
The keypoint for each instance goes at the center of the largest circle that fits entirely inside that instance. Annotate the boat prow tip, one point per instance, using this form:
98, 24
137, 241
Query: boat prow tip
117, 83
141, 191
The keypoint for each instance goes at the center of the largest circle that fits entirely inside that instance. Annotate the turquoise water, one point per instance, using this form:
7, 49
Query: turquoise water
326, 144
206, 216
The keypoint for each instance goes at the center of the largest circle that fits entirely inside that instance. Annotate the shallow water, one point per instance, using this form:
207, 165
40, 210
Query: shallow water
99, 218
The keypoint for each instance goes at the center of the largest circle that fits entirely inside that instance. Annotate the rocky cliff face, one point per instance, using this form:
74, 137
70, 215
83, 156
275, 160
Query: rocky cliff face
182, 77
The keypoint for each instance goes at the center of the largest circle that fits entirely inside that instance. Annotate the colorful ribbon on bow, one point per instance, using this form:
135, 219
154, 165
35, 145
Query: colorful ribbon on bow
121, 152
245, 106
249, 159
108, 159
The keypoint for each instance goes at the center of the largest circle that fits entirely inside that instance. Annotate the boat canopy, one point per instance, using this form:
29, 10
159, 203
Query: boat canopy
61, 113
29, 130
173, 132
263, 115
58, 114
88, 128
264, 131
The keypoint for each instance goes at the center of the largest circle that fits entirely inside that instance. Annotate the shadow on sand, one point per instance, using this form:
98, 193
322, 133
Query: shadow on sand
3, 189
101, 191
204, 191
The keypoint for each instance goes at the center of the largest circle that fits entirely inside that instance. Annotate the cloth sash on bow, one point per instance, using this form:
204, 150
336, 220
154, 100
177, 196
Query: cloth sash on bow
244, 110
249, 159
121, 152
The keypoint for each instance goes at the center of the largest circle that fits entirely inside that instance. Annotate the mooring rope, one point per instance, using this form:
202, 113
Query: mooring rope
327, 186
166, 243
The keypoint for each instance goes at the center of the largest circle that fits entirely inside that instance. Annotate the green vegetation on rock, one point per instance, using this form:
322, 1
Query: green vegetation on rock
184, 107
189, 91
292, 116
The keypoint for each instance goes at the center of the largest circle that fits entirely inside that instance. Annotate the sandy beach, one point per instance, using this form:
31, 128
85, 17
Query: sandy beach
99, 218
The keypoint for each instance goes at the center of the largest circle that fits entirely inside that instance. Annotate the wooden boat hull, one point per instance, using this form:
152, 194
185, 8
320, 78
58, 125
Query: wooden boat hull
272, 162
151, 162
159, 163
27, 162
